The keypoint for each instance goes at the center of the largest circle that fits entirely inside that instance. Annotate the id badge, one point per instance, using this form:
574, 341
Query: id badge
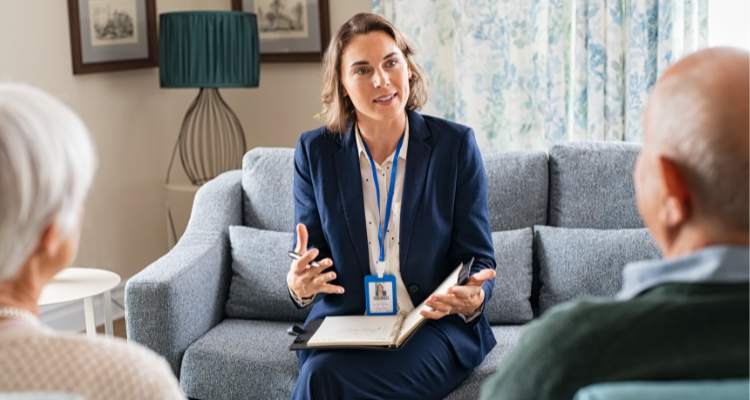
381, 295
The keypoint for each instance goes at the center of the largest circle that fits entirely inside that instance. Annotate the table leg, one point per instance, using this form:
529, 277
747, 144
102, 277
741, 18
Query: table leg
88, 308
108, 329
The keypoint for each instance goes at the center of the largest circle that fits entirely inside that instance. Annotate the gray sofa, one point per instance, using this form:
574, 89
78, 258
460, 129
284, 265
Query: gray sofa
216, 307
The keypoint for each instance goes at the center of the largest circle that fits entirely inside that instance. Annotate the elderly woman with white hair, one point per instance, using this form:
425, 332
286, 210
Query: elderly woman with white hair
47, 163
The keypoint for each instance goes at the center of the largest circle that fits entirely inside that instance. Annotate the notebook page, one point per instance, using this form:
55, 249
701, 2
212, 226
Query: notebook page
413, 320
354, 330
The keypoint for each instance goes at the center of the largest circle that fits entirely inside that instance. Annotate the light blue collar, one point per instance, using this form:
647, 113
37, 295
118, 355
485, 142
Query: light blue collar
716, 264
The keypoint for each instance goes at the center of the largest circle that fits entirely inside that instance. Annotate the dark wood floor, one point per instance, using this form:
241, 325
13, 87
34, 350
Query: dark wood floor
119, 328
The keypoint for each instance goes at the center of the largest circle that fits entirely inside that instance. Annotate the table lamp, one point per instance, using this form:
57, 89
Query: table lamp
209, 50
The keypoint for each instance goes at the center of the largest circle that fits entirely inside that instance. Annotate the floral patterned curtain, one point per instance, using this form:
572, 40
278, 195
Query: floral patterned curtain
527, 73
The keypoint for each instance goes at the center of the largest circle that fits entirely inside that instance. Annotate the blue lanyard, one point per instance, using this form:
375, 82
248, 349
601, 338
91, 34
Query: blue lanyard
381, 228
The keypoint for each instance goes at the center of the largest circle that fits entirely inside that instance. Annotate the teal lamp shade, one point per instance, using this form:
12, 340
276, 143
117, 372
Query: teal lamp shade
208, 49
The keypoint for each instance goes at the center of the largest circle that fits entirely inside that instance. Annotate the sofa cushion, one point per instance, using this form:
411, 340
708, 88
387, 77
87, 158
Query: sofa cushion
586, 262
240, 359
267, 181
591, 185
510, 297
516, 189
507, 338
259, 266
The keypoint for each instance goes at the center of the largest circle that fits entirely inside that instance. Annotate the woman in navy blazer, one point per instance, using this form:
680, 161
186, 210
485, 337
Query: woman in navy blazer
372, 83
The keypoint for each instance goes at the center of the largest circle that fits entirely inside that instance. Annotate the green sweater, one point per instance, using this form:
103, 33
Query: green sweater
671, 332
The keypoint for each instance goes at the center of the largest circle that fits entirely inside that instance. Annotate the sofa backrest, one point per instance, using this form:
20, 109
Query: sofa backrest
517, 199
267, 182
580, 186
516, 189
591, 185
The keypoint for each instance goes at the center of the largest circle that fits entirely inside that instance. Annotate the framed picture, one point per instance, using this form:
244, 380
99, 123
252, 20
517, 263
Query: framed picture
289, 30
112, 35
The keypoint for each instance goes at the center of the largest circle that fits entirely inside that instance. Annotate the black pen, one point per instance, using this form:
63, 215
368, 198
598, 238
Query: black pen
297, 257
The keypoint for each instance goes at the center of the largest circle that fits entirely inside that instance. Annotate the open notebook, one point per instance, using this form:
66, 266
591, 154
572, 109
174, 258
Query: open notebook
386, 331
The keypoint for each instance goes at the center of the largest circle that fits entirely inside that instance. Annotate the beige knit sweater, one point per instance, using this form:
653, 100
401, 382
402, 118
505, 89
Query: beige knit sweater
41, 360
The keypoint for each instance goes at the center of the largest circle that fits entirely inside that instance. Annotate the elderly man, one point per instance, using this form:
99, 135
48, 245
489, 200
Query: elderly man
684, 317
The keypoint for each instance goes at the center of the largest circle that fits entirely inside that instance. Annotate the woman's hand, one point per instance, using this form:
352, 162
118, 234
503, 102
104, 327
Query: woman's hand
304, 280
459, 299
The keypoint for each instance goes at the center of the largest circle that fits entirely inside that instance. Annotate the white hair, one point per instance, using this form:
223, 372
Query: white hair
47, 163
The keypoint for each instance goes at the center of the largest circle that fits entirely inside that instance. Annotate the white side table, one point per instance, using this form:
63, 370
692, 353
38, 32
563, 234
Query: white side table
83, 283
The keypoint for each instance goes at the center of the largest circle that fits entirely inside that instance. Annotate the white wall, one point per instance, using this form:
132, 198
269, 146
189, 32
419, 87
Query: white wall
134, 123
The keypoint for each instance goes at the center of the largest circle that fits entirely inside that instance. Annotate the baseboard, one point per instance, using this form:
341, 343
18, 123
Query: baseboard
69, 317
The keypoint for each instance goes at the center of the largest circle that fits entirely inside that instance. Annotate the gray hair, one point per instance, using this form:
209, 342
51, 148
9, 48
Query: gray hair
47, 163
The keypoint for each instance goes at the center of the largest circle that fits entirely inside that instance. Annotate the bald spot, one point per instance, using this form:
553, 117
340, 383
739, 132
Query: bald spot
698, 116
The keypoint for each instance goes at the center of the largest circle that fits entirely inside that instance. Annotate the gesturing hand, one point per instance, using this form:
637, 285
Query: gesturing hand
304, 280
459, 299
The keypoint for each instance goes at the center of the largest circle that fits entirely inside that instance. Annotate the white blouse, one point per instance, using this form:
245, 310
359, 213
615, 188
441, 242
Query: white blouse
391, 239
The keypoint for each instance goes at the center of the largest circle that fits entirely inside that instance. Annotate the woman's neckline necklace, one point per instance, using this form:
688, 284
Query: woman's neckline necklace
20, 314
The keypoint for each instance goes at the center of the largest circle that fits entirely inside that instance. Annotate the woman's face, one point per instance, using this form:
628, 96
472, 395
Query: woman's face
375, 76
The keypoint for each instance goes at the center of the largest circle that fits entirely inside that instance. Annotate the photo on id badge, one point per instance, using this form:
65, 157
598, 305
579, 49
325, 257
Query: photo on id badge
381, 298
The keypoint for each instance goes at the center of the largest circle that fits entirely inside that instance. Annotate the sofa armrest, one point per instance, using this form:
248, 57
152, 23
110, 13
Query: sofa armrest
725, 389
181, 296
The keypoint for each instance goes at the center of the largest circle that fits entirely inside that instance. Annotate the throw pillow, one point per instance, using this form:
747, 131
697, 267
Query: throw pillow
510, 297
259, 266
586, 262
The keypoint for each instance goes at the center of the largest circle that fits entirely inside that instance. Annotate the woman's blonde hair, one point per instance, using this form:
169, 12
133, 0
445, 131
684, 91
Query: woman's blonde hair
338, 111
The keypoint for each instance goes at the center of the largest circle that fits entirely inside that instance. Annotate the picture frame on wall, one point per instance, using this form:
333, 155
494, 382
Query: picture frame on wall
112, 35
289, 30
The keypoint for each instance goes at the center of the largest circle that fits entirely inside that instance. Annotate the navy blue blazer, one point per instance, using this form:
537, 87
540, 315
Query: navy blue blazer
444, 220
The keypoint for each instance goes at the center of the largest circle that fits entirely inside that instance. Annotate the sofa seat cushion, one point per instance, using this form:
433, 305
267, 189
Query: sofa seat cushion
586, 262
241, 359
507, 338
509, 303
259, 266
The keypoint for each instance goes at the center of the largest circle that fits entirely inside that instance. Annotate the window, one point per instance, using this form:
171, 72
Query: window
729, 23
